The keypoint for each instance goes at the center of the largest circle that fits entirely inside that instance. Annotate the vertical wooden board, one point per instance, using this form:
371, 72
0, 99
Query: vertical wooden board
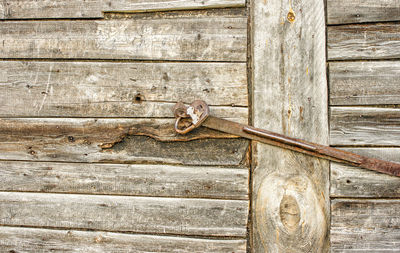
345, 11
364, 83
365, 225
104, 89
32, 9
182, 216
199, 38
290, 208
364, 42
16, 239
125, 179
167, 5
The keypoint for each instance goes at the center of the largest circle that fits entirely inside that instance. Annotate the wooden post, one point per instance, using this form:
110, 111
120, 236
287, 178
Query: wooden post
290, 200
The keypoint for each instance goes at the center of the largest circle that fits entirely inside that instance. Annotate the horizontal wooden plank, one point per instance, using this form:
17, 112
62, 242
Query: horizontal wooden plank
356, 42
345, 11
365, 126
199, 38
365, 225
128, 214
33, 9
30, 9
114, 140
138, 180
364, 83
167, 5
347, 181
104, 89
15, 239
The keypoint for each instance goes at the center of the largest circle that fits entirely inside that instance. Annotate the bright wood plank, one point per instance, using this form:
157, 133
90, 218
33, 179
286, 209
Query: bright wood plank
118, 179
360, 42
290, 199
33, 9
365, 225
355, 126
15, 239
101, 89
128, 214
345, 11
198, 38
167, 5
364, 83
114, 140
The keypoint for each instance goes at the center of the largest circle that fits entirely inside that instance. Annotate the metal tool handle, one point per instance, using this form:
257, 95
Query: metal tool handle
201, 109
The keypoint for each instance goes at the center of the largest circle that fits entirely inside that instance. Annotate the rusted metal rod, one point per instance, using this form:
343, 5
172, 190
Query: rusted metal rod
198, 112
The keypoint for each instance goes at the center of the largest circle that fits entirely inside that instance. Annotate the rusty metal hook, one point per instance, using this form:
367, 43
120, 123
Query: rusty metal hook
198, 112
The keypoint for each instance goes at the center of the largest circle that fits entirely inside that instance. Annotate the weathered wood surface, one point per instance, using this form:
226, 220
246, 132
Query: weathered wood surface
33, 9
361, 42
290, 191
118, 179
364, 83
122, 213
167, 5
104, 89
13, 239
200, 38
345, 11
365, 225
355, 126
347, 181
112, 140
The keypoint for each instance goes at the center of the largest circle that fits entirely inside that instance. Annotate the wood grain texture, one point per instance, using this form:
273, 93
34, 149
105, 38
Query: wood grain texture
113, 140
347, 181
361, 42
14, 239
364, 83
167, 5
128, 214
344, 11
365, 225
101, 89
199, 38
355, 126
290, 207
33, 9
118, 179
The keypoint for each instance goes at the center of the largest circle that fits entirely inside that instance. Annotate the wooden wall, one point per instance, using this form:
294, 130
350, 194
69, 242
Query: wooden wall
89, 160
364, 83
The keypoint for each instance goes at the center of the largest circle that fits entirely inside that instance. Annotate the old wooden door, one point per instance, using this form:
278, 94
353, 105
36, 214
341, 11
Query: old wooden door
89, 161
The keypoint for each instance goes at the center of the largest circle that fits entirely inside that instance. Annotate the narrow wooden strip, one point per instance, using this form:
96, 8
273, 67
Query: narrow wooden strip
347, 181
33, 9
101, 89
365, 126
372, 41
364, 83
344, 11
365, 225
290, 200
15, 239
128, 214
185, 39
139, 180
114, 140
167, 5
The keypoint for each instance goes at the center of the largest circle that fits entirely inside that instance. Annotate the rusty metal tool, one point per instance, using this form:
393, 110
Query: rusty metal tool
198, 115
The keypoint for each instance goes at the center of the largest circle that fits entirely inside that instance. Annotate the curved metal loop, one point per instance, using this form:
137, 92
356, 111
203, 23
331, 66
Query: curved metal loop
198, 111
